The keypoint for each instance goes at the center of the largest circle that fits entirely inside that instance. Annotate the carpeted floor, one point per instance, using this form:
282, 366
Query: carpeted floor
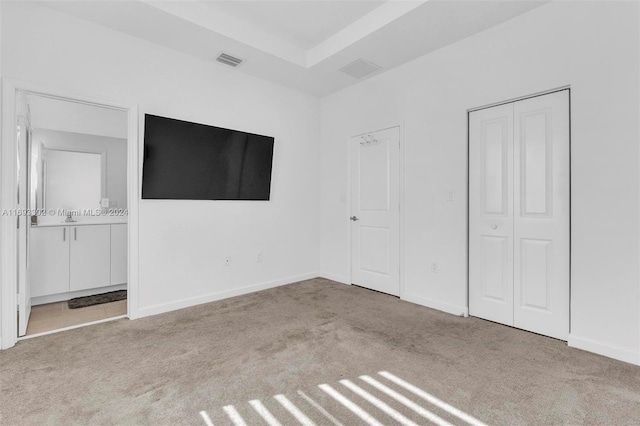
208, 362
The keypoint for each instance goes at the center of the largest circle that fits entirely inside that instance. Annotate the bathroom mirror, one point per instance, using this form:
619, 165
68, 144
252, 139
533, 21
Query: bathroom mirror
73, 180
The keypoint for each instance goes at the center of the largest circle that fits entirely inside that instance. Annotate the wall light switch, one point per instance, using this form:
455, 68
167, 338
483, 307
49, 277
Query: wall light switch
104, 203
451, 195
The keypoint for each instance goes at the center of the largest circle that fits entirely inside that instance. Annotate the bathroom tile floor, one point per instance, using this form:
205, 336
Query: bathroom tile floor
57, 315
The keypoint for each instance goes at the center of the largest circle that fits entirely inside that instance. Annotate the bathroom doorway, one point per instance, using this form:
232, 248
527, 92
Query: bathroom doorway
75, 161
72, 212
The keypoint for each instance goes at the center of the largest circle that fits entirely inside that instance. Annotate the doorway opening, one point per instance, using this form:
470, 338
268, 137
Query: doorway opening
75, 252
72, 223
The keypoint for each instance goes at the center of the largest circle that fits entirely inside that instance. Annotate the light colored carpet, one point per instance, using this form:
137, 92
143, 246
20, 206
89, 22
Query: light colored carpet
215, 358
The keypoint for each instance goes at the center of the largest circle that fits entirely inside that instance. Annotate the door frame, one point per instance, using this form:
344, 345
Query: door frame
519, 98
8, 231
401, 215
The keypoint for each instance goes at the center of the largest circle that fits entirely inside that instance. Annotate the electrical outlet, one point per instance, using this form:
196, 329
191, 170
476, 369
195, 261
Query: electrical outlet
227, 261
435, 268
259, 257
451, 195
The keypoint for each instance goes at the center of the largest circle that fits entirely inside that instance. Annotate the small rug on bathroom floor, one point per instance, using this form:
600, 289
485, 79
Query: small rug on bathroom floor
97, 299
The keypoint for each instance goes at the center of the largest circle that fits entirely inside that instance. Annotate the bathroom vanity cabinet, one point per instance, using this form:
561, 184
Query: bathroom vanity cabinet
77, 257
89, 257
49, 260
119, 253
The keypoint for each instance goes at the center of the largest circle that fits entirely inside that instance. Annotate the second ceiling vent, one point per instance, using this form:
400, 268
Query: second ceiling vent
227, 59
360, 68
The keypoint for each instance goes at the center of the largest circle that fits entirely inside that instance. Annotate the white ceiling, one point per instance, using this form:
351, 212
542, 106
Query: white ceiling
299, 43
302, 23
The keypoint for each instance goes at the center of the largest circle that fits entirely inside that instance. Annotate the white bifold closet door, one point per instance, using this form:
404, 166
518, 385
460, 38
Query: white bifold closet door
519, 217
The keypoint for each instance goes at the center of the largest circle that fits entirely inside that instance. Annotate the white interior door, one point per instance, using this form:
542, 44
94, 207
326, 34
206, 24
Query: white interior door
22, 138
519, 218
375, 210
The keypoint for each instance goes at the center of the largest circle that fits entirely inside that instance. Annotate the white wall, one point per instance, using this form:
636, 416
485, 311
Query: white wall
57, 114
114, 148
183, 243
591, 46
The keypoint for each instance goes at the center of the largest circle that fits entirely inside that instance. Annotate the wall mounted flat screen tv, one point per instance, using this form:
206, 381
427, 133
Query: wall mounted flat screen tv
189, 161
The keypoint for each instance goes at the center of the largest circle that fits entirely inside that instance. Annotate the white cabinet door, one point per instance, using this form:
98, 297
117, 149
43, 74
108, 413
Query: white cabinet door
90, 257
118, 254
49, 260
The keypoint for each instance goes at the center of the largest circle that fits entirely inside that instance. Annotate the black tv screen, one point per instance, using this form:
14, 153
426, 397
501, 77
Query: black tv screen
189, 161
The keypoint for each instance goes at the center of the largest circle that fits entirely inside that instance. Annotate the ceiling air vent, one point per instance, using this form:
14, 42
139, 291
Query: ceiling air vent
360, 68
226, 59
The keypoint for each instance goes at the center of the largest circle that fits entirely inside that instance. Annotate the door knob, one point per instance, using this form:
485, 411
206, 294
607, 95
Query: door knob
354, 218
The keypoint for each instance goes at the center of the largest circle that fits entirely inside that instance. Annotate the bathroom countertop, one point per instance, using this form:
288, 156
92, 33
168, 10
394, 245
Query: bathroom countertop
104, 221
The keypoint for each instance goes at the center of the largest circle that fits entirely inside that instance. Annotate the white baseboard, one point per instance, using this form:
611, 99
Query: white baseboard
600, 348
335, 277
212, 297
461, 311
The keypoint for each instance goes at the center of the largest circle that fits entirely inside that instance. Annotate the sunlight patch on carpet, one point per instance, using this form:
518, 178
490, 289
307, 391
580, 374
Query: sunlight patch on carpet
385, 397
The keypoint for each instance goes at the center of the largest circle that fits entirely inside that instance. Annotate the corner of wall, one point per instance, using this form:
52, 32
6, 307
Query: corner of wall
461, 311
604, 349
335, 277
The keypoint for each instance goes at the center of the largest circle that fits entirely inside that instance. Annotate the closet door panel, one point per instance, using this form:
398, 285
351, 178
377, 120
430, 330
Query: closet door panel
542, 215
491, 214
